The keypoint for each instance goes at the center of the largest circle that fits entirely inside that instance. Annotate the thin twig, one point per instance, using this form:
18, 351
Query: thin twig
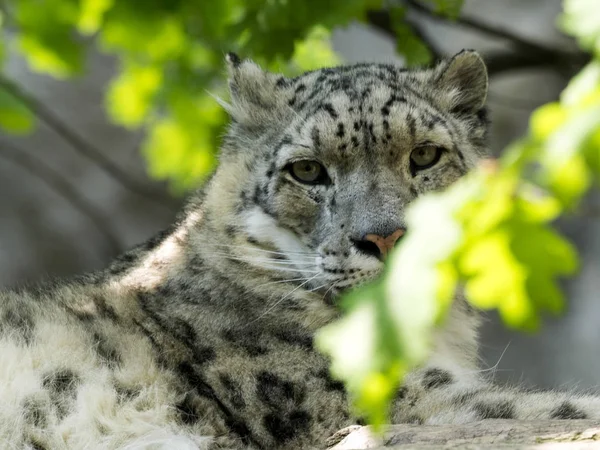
525, 54
529, 54
81, 145
57, 182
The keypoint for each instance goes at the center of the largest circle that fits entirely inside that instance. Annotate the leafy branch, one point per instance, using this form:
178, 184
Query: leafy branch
494, 236
525, 54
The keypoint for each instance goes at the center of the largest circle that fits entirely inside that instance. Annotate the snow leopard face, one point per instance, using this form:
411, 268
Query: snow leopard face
318, 170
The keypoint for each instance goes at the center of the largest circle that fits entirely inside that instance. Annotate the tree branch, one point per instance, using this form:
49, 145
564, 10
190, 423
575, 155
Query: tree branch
525, 54
486, 28
81, 145
57, 183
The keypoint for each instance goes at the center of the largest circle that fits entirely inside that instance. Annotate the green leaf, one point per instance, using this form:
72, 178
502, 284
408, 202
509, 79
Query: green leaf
581, 18
15, 117
130, 96
315, 51
448, 8
365, 352
92, 14
57, 53
47, 36
582, 85
513, 262
181, 148
415, 52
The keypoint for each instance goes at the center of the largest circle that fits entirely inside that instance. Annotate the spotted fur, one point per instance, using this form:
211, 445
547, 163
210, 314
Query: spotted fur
202, 337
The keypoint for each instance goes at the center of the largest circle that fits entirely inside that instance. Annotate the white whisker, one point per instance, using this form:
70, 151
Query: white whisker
282, 281
268, 310
318, 287
275, 262
258, 261
327, 291
246, 247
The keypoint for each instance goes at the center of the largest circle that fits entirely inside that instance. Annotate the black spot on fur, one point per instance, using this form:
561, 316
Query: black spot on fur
295, 337
186, 333
18, 321
501, 410
315, 134
36, 445
34, 413
123, 263
402, 393
186, 370
434, 378
465, 397
62, 388
340, 130
204, 354
234, 391
201, 387
249, 342
330, 110
567, 411
285, 428
330, 383
126, 393
237, 426
276, 392
104, 310
483, 116
63, 382
107, 353
233, 59
281, 82
412, 126
187, 410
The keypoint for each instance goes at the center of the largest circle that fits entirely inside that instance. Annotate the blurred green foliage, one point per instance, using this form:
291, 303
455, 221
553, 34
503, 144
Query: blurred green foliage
171, 61
492, 230
493, 235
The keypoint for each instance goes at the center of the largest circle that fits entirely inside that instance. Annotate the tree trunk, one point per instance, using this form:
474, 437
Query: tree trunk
487, 434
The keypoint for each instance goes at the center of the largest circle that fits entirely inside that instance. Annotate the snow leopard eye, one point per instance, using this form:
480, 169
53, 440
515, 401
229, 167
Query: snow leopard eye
424, 157
309, 172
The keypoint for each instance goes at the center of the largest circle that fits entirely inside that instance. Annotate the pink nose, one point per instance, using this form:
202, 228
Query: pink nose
385, 244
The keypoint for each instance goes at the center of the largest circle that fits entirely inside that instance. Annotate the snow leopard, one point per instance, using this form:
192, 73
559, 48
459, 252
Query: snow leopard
202, 336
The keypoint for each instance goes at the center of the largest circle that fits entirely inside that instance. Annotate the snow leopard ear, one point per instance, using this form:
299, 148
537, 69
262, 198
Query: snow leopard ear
256, 95
464, 78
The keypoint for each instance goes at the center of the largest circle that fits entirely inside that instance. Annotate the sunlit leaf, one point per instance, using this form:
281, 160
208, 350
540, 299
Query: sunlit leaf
92, 12
413, 49
130, 96
315, 51
57, 54
365, 352
581, 18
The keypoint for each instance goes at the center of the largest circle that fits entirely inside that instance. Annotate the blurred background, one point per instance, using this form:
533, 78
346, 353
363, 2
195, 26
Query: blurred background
75, 192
